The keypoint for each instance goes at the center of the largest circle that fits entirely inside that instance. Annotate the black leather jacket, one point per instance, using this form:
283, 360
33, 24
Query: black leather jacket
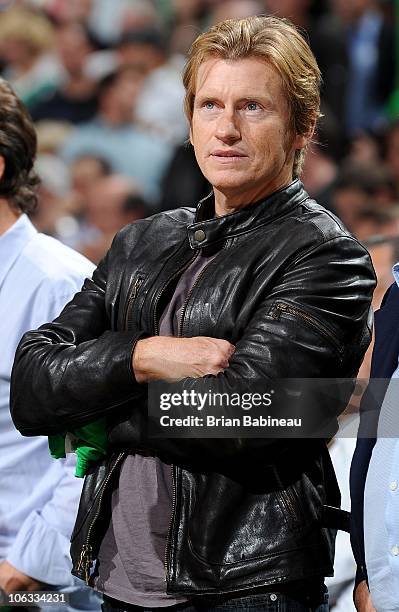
291, 288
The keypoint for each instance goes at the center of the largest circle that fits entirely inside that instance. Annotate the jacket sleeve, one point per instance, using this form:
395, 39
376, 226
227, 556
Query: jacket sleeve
75, 369
313, 324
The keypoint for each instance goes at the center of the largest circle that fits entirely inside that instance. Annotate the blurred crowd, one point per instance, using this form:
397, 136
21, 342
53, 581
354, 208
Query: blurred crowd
102, 80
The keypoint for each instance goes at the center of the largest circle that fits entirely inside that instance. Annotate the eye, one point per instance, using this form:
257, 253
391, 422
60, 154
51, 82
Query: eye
209, 105
252, 106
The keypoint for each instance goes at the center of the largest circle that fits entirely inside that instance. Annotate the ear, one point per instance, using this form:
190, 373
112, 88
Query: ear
2, 166
301, 140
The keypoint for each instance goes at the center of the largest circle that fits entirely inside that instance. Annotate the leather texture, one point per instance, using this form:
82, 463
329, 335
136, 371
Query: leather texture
291, 288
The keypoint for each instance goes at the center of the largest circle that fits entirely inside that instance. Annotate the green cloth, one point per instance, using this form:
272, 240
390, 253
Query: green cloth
88, 442
393, 102
393, 105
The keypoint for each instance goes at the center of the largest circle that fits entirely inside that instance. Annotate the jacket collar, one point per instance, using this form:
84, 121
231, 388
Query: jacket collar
208, 229
12, 243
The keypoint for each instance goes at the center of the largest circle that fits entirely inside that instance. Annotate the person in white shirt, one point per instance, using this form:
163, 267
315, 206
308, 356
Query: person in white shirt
38, 276
374, 470
381, 492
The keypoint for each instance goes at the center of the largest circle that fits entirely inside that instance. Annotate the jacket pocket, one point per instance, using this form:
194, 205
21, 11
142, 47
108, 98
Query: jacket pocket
247, 525
291, 508
131, 300
284, 309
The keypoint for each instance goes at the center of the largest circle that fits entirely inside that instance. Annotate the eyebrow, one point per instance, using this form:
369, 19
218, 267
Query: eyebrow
247, 98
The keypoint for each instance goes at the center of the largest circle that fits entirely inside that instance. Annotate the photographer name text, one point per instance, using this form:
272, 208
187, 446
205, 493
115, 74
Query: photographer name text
245, 420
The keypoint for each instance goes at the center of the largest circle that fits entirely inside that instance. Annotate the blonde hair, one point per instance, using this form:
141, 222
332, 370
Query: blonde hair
278, 42
28, 26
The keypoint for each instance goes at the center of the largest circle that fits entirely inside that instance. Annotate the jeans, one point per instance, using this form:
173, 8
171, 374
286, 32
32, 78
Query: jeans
265, 602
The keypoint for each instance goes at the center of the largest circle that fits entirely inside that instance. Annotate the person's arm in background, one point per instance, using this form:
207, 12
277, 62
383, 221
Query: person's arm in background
40, 551
384, 362
358, 473
340, 586
362, 598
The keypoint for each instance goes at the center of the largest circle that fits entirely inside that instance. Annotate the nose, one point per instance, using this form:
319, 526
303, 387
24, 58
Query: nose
228, 129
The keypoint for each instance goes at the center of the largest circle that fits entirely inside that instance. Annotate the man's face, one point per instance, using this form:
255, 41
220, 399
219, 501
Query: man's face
240, 129
73, 48
122, 95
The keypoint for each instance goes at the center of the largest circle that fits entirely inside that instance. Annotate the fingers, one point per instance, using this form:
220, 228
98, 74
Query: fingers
222, 352
223, 345
202, 355
164, 358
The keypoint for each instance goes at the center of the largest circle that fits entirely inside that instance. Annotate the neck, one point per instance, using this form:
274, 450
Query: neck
8, 216
226, 202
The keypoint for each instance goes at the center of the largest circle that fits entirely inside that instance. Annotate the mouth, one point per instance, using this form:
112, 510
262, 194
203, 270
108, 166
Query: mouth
228, 155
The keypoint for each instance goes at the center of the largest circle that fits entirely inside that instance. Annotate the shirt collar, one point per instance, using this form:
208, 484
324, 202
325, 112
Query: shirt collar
12, 242
395, 272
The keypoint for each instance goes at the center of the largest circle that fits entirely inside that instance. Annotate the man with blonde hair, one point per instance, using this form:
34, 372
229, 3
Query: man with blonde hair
258, 283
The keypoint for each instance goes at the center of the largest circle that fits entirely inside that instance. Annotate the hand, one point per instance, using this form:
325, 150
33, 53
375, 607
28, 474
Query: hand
12, 579
362, 598
171, 359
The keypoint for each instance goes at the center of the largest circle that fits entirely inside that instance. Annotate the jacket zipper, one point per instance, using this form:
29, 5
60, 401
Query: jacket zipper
287, 498
132, 296
86, 558
179, 332
156, 331
172, 516
183, 310
281, 307
184, 307
166, 283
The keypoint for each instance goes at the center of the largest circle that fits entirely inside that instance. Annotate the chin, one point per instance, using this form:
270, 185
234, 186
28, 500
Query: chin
223, 182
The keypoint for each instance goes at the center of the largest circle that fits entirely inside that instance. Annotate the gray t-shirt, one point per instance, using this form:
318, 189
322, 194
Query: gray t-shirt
131, 557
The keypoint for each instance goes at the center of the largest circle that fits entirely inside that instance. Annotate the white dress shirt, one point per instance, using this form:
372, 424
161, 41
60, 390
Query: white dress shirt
38, 495
381, 503
340, 586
